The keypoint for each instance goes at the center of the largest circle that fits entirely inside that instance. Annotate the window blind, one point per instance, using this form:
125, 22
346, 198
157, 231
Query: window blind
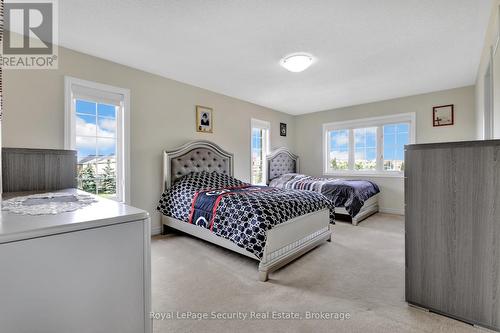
104, 97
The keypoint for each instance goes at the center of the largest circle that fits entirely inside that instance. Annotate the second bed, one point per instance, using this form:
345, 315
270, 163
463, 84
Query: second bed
353, 199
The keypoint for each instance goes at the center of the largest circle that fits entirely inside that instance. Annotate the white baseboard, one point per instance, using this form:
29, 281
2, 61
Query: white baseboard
395, 211
155, 230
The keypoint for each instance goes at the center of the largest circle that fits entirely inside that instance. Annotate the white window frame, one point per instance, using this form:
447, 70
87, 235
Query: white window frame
378, 122
488, 99
123, 130
262, 124
497, 39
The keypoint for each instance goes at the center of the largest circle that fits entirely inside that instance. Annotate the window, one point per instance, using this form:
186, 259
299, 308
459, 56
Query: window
339, 149
373, 146
365, 148
259, 149
97, 128
396, 136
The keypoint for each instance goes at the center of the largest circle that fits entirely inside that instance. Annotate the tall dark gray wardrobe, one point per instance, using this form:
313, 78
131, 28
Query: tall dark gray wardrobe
452, 197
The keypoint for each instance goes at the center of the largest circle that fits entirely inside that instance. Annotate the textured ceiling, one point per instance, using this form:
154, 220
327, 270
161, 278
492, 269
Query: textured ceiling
365, 50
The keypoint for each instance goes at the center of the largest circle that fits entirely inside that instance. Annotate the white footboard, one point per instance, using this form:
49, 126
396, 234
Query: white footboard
291, 239
369, 208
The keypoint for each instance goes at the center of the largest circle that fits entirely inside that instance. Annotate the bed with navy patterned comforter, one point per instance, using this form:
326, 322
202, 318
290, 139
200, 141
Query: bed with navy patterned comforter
235, 210
350, 194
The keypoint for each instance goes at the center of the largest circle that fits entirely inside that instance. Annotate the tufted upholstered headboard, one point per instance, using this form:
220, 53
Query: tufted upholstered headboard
195, 156
281, 161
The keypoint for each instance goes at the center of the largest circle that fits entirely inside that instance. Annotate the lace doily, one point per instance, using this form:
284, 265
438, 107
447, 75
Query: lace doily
47, 203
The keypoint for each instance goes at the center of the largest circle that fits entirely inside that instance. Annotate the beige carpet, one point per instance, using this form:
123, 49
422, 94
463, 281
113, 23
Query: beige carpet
361, 273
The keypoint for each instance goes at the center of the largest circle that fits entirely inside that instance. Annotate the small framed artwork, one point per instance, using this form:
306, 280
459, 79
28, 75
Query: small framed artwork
282, 129
443, 115
204, 119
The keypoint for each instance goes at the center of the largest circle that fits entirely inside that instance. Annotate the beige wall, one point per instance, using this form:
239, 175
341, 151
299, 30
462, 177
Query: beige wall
489, 42
162, 117
309, 132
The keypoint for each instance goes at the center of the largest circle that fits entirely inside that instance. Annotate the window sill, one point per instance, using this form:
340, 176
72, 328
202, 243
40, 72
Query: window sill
365, 174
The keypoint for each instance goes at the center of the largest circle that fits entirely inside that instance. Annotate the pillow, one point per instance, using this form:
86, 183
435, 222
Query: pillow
281, 180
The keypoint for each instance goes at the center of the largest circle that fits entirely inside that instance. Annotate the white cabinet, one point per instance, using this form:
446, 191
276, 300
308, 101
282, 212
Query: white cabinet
82, 276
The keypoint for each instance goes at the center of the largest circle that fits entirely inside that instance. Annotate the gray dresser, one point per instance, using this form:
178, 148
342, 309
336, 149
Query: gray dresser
452, 196
25, 169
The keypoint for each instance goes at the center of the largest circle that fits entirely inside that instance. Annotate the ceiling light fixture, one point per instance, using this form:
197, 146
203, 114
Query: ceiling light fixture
297, 62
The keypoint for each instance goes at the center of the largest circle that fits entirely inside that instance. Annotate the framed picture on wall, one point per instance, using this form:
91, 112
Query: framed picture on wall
282, 129
204, 119
443, 115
